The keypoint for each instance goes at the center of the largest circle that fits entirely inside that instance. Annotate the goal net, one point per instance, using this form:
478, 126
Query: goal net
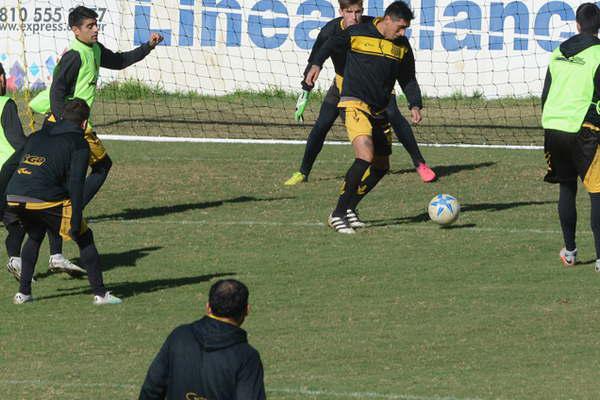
232, 68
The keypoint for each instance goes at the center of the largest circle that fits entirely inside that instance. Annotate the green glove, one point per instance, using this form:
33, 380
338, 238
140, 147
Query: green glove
301, 105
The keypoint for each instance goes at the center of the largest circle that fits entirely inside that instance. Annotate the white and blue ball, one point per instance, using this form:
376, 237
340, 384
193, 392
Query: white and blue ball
444, 209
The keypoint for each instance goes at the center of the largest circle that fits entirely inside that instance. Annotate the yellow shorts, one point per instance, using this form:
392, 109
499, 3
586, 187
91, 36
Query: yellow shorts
360, 123
97, 150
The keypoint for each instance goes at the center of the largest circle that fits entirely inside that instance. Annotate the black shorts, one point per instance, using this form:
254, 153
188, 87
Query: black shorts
55, 217
10, 217
570, 155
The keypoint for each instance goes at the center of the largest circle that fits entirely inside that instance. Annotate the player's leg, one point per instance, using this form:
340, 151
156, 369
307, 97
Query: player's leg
567, 214
595, 224
59, 221
382, 143
57, 261
90, 259
359, 132
14, 240
405, 135
587, 159
314, 143
36, 230
100, 164
96, 178
560, 152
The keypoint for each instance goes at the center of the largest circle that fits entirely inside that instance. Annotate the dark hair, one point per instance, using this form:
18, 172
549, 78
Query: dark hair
228, 298
588, 18
399, 10
78, 14
76, 111
2, 72
349, 3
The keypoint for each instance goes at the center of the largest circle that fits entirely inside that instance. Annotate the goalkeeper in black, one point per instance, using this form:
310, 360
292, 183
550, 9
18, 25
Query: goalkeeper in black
350, 14
377, 55
571, 121
44, 185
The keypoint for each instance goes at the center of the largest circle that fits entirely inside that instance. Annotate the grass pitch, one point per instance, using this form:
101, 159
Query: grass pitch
401, 310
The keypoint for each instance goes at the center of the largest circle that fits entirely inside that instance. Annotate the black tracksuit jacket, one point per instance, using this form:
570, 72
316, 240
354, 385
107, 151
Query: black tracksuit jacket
207, 359
369, 72
52, 166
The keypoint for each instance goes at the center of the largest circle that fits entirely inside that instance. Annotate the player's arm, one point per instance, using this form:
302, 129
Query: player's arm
546, 89
13, 130
250, 379
8, 169
118, 60
302, 100
339, 42
155, 384
408, 82
322, 38
77, 173
64, 81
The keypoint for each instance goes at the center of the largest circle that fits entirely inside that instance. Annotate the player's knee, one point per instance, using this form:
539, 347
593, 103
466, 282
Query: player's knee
381, 163
363, 148
85, 239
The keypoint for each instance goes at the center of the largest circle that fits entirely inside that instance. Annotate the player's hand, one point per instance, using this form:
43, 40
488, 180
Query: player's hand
416, 115
312, 75
301, 105
155, 39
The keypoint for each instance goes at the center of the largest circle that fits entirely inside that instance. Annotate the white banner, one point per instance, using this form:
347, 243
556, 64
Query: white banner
215, 47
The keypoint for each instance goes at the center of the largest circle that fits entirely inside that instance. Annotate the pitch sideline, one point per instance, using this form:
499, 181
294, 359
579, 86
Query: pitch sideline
173, 139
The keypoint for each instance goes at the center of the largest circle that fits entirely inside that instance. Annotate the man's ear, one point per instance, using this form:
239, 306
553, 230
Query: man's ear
84, 124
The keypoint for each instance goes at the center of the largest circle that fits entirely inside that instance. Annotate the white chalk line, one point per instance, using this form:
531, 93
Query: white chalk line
174, 139
388, 224
301, 392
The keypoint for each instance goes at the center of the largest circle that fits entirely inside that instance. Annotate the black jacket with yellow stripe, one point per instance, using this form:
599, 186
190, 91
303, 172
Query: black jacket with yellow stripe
338, 58
51, 167
373, 65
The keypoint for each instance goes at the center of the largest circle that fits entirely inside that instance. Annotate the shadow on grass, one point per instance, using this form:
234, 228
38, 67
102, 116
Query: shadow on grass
440, 170
129, 289
109, 261
464, 208
138, 213
446, 170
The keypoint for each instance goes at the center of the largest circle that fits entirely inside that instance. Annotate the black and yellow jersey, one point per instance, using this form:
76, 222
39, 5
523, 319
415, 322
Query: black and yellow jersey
51, 167
373, 64
338, 58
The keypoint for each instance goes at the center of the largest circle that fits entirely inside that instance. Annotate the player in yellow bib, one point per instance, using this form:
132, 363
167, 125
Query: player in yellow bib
76, 76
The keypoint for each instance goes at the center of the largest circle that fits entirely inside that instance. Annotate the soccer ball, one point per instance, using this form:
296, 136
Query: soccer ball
444, 209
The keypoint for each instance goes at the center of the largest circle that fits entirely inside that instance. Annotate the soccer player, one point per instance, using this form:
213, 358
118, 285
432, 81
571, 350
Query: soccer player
44, 185
571, 121
350, 14
76, 75
377, 55
14, 138
11, 138
209, 358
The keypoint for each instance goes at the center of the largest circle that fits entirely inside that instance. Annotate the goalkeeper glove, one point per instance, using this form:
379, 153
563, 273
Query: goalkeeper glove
301, 105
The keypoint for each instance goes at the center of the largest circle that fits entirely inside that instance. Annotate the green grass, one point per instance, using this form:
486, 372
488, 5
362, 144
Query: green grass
482, 310
132, 108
